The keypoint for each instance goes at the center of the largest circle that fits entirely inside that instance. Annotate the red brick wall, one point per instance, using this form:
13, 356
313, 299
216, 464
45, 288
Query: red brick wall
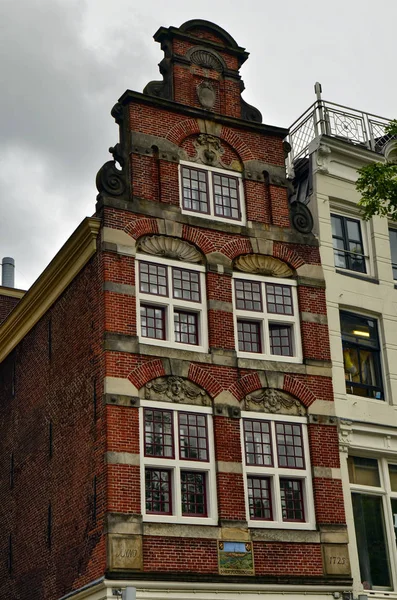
155, 178
6, 305
57, 390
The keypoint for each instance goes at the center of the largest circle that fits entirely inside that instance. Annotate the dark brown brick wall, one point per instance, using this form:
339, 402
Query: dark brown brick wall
7, 303
54, 391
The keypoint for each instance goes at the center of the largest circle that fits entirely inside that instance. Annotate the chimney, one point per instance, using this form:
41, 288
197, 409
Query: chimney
8, 274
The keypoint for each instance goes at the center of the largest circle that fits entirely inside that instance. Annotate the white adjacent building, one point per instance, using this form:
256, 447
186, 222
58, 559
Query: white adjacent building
329, 143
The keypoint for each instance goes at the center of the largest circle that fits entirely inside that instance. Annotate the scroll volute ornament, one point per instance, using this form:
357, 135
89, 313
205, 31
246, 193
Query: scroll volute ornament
263, 264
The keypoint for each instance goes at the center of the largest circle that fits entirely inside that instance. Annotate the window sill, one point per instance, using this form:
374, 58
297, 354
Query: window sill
270, 358
171, 345
173, 519
254, 524
213, 218
364, 398
363, 277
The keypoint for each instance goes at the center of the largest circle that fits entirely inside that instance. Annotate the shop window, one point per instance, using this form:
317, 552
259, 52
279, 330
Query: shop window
373, 484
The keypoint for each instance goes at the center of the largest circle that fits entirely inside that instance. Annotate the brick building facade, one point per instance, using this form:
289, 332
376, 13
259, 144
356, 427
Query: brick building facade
167, 406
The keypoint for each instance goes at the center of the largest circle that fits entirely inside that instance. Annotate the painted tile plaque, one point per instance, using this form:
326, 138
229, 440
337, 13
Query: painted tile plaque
235, 558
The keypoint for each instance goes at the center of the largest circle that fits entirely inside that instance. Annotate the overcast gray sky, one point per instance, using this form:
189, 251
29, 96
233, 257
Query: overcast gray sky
64, 63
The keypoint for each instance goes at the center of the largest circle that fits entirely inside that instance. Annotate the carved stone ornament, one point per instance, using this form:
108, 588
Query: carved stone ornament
263, 265
161, 245
110, 179
164, 88
345, 435
209, 150
206, 60
206, 94
250, 113
323, 158
176, 389
301, 217
117, 112
275, 402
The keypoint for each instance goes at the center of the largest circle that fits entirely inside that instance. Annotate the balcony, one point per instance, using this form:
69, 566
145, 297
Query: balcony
335, 120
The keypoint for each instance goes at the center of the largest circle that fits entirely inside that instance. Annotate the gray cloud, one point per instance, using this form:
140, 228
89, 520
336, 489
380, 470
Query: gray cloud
64, 63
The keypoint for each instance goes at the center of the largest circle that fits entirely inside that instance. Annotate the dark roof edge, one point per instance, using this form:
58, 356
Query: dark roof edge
131, 96
165, 32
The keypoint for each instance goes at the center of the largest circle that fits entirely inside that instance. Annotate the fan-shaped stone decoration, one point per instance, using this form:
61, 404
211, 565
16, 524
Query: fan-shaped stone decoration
161, 245
263, 265
206, 59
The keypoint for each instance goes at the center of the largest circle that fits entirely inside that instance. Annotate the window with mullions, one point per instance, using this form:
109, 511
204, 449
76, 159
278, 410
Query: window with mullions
393, 250
361, 356
277, 473
266, 318
373, 485
211, 192
171, 304
177, 465
348, 244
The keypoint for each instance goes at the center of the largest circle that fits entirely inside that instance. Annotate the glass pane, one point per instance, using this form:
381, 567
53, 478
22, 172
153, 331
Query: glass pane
363, 471
353, 230
360, 330
394, 513
340, 259
259, 498
393, 477
336, 226
371, 542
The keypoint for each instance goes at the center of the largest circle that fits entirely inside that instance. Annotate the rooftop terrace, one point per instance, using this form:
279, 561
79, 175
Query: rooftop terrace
335, 120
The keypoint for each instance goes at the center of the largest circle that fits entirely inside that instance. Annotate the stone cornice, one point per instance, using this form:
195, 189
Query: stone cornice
71, 258
199, 113
358, 155
11, 292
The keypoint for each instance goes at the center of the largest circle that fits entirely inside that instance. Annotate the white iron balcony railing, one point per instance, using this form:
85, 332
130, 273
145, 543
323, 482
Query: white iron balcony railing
327, 118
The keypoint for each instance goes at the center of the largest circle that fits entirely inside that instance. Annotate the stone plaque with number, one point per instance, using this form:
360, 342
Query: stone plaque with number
336, 559
125, 552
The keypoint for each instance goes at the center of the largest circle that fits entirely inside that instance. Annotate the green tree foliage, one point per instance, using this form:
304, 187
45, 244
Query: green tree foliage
377, 184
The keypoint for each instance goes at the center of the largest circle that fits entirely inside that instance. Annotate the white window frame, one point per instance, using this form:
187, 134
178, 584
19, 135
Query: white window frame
211, 215
340, 211
265, 319
275, 473
176, 465
170, 304
385, 492
392, 227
